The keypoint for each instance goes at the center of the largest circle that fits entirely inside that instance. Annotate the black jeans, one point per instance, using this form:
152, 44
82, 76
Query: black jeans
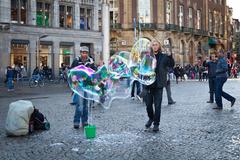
220, 93
154, 96
212, 87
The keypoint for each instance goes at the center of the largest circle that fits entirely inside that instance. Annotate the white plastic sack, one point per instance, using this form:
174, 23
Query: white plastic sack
18, 117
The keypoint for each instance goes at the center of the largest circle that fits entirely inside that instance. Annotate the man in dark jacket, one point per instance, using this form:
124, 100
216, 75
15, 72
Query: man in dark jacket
221, 78
211, 65
81, 103
155, 90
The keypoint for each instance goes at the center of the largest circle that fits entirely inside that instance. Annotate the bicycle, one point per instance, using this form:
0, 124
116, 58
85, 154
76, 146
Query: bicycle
36, 80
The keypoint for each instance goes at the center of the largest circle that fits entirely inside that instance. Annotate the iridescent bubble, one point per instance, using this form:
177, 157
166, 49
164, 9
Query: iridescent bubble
143, 62
119, 63
100, 86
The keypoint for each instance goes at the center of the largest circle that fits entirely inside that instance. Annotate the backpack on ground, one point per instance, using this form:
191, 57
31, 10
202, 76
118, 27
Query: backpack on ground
38, 121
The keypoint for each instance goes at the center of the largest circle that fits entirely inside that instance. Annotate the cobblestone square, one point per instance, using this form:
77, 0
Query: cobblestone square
190, 129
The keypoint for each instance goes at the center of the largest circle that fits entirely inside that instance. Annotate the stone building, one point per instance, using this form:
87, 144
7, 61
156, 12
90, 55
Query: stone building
236, 37
47, 32
192, 28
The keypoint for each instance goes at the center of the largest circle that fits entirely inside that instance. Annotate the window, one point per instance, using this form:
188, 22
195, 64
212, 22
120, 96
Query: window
82, 18
190, 17
144, 11
210, 24
19, 11
89, 19
14, 11
198, 19
86, 18
181, 19
43, 14
65, 16
168, 12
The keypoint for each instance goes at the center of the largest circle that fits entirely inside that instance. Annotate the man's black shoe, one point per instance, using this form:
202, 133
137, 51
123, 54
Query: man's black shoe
209, 101
85, 124
148, 124
171, 103
155, 128
76, 126
72, 103
233, 102
218, 108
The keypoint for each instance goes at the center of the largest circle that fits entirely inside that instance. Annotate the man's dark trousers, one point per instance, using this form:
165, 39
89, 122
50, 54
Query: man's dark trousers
154, 96
220, 93
212, 87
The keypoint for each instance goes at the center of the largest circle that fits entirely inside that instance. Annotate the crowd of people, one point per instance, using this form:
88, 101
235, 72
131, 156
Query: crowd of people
200, 71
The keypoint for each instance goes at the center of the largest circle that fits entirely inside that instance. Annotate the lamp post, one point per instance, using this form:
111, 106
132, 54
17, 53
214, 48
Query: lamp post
38, 49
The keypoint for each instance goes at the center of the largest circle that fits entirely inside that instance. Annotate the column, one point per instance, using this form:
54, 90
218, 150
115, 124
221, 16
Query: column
95, 16
32, 55
76, 49
32, 10
5, 47
5, 11
77, 17
106, 32
56, 52
56, 13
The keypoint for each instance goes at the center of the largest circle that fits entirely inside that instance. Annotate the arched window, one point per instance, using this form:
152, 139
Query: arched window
144, 11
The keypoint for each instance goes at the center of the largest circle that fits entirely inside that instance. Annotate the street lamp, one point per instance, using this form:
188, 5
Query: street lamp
38, 48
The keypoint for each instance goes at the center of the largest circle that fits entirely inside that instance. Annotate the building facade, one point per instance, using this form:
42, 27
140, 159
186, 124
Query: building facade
236, 37
47, 32
191, 28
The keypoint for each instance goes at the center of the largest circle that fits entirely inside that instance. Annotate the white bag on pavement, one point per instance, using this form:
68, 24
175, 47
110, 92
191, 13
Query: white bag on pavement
19, 113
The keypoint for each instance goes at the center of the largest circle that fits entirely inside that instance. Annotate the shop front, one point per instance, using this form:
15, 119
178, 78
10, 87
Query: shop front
19, 55
66, 54
45, 54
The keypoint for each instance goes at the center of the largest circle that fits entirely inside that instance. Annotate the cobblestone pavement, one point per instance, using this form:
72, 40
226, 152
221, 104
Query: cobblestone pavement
191, 129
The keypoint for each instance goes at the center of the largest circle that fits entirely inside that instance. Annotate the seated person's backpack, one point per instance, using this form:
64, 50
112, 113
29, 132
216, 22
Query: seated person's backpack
38, 121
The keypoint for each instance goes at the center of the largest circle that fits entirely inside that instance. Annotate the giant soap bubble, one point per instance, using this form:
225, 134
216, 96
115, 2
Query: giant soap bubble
143, 62
119, 63
101, 86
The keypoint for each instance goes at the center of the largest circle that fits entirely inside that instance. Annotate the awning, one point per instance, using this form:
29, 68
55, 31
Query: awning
19, 41
46, 43
66, 43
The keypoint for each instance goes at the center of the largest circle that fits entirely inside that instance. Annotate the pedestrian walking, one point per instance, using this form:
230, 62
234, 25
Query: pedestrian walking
10, 78
211, 65
168, 90
136, 84
155, 90
221, 78
177, 72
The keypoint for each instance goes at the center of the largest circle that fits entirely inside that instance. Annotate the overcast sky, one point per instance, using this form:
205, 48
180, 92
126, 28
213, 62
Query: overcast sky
235, 4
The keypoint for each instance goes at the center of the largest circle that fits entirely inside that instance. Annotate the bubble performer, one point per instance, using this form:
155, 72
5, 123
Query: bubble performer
81, 103
155, 90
